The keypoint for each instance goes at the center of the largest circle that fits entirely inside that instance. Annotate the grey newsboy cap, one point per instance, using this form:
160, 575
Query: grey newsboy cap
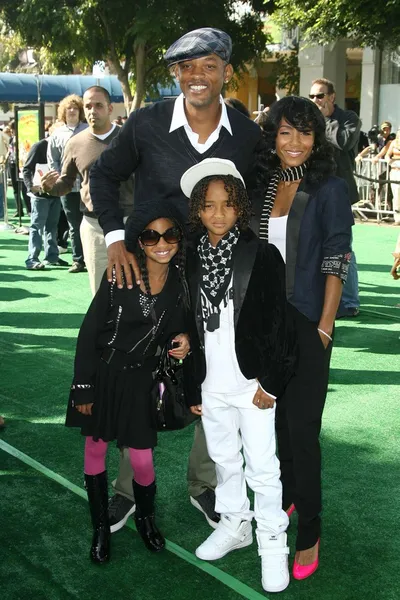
199, 43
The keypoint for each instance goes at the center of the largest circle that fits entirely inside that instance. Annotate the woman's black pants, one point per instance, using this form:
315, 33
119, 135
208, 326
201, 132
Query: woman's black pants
298, 425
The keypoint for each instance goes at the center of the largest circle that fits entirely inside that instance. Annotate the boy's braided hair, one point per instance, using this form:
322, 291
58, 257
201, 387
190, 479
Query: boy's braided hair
237, 196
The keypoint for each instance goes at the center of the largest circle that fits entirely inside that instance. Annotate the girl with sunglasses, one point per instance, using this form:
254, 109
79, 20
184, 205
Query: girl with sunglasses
115, 357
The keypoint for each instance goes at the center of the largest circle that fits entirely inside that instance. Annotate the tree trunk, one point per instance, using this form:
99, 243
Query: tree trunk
126, 90
140, 59
114, 60
124, 81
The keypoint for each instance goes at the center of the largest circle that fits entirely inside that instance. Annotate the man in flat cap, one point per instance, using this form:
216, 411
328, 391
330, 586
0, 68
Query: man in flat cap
158, 144
200, 43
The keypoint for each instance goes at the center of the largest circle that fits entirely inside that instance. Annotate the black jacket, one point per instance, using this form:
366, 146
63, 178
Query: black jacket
115, 320
264, 340
159, 158
318, 232
343, 131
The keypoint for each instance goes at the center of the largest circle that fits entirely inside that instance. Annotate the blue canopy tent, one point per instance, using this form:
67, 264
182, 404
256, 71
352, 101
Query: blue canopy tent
23, 88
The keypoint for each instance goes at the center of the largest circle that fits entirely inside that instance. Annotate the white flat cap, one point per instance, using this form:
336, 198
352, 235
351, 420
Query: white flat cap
206, 168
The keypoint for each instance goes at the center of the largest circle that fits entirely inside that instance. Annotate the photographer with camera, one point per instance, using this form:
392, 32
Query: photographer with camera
379, 141
384, 140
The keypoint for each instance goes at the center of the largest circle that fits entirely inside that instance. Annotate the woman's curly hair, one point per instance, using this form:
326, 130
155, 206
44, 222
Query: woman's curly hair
304, 115
66, 102
237, 197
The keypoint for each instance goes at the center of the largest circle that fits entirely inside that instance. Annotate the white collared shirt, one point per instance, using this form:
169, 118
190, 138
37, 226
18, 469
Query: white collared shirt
179, 119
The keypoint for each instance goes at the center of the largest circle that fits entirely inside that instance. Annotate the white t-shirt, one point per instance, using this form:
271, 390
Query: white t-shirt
223, 372
102, 136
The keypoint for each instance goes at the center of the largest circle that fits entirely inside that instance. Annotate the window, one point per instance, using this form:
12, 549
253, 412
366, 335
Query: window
390, 70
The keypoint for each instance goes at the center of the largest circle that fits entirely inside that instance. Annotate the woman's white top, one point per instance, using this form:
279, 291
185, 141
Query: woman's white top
277, 234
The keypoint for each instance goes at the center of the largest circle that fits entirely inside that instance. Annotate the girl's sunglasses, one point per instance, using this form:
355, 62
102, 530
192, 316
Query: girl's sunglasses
150, 237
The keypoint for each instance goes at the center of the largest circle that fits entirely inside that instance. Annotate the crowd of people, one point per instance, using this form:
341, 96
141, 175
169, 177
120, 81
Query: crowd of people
8, 160
379, 145
53, 219
230, 242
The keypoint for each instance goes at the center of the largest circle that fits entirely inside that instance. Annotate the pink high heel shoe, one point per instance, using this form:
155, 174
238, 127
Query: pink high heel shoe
290, 510
304, 571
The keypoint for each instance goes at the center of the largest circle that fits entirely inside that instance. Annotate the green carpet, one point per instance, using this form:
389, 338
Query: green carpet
45, 533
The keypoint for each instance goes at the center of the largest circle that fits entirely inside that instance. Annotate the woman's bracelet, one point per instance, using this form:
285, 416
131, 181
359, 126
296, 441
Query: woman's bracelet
324, 333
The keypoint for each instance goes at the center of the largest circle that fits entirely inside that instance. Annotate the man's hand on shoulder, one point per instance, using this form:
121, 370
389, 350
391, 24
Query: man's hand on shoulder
124, 262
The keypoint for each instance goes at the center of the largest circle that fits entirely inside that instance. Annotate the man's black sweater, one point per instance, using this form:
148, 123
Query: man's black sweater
159, 159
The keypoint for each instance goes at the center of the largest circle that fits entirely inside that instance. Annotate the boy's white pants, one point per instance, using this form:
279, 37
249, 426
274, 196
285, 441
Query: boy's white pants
231, 421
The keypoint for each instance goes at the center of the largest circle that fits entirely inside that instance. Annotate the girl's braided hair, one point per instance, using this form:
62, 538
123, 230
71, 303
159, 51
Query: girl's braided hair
237, 197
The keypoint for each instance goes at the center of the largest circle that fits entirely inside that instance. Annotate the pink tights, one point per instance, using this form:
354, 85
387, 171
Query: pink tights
141, 461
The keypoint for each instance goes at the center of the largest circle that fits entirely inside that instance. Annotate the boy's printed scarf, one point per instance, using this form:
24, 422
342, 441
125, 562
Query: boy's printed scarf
216, 273
291, 174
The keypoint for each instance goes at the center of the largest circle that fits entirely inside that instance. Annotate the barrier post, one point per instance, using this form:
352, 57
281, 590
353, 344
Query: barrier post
5, 226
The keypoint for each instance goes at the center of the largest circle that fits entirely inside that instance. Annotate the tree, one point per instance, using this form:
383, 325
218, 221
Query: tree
286, 71
366, 22
131, 35
14, 54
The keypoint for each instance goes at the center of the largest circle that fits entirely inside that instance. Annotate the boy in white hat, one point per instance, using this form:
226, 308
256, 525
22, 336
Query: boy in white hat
237, 288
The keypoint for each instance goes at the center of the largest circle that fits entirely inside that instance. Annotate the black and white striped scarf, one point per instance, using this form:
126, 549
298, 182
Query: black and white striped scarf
291, 174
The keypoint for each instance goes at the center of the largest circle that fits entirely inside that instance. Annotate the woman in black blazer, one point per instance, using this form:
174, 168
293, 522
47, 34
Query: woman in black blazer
307, 214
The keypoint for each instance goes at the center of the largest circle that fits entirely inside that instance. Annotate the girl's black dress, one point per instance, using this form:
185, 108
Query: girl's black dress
115, 357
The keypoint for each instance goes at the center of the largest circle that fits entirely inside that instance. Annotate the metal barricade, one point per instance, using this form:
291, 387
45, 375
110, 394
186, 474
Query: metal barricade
373, 185
3, 183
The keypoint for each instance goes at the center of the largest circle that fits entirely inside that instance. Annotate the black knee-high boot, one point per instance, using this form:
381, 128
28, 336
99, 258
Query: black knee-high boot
97, 491
144, 516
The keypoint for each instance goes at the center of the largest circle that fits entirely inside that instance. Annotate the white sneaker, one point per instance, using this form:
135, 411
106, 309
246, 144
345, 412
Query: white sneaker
62, 250
230, 534
274, 561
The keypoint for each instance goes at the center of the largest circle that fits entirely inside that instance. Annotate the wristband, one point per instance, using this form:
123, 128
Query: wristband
325, 334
